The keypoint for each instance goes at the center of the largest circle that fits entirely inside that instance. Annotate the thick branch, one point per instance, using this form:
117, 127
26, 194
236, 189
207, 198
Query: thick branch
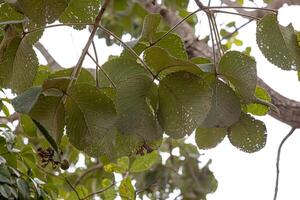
289, 109
50, 60
276, 4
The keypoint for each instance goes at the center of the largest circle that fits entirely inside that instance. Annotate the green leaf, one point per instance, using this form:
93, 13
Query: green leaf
23, 189
24, 102
46, 134
49, 112
44, 11
133, 85
173, 44
28, 126
203, 63
3, 191
240, 2
162, 63
259, 109
121, 166
80, 11
84, 77
89, 116
225, 109
207, 138
248, 134
145, 162
151, 23
18, 62
7, 13
184, 102
109, 194
278, 43
126, 190
240, 70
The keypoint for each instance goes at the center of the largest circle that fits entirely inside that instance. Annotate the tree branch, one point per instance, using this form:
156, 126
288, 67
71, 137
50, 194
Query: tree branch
276, 4
50, 60
84, 174
278, 160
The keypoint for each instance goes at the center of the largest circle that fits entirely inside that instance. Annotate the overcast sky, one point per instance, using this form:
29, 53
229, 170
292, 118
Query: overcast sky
241, 176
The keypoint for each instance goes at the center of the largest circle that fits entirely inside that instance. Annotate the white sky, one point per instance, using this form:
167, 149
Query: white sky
240, 175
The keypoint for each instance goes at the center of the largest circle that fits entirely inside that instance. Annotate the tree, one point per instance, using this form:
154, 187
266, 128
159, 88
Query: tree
127, 116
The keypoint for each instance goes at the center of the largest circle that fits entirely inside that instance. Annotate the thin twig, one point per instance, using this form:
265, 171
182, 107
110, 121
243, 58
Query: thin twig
239, 14
103, 71
128, 48
13, 22
212, 39
78, 66
242, 7
175, 26
278, 160
215, 25
97, 66
105, 30
84, 174
98, 192
236, 30
73, 188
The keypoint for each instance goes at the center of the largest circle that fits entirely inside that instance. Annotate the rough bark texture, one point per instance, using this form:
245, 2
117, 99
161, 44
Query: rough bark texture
289, 109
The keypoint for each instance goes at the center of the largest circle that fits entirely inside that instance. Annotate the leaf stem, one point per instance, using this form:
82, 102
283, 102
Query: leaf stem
242, 7
236, 30
97, 66
72, 187
214, 22
239, 14
212, 39
128, 48
278, 161
78, 66
103, 71
105, 30
174, 27
98, 192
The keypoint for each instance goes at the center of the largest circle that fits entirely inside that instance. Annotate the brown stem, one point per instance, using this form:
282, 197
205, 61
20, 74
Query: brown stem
105, 74
78, 66
88, 171
278, 160
98, 192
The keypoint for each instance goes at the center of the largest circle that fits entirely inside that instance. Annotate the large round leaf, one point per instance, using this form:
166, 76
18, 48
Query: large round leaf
162, 63
80, 11
240, 70
207, 138
172, 43
248, 134
278, 43
43, 11
89, 117
135, 115
133, 85
225, 109
184, 102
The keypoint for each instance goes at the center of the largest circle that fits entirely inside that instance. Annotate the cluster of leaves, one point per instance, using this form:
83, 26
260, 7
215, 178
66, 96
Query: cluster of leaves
124, 17
149, 90
17, 182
